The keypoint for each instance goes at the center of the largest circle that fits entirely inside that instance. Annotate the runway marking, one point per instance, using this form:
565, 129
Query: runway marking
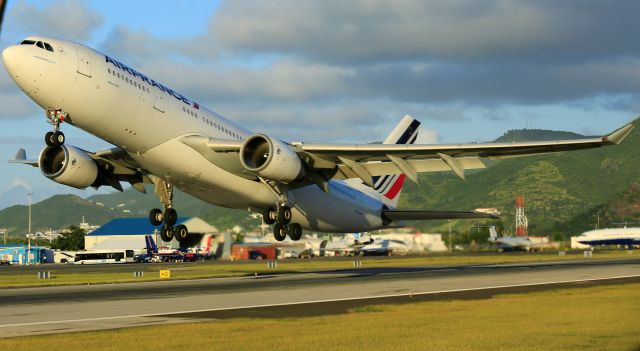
408, 294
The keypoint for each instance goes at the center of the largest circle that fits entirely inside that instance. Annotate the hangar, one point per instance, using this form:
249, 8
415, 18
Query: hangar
129, 233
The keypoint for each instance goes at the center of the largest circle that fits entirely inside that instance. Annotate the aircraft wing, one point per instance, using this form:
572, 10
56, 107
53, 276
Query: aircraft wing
365, 161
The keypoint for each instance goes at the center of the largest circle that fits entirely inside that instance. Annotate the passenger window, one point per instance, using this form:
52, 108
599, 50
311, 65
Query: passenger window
48, 47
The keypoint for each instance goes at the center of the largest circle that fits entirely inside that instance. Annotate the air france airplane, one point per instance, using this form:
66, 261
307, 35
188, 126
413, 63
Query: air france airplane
165, 138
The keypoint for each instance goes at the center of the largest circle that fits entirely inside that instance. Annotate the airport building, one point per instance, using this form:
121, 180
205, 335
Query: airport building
129, 233
22, 254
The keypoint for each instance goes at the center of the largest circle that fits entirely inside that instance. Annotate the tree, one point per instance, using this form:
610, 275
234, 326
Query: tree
73, 240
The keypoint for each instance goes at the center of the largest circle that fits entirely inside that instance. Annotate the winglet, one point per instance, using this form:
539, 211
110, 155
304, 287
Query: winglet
619, 135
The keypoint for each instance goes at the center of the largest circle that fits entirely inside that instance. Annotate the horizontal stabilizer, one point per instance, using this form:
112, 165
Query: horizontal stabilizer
411, 215
21, 157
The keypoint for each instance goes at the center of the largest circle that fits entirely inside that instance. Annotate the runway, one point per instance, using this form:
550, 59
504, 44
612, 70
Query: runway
45, 310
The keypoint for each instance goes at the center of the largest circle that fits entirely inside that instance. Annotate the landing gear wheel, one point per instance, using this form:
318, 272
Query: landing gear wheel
48, 139
295, 231
279, 232
269, 216
181, 233
155, 217
58, 138
284, 214
170, 217
166, 233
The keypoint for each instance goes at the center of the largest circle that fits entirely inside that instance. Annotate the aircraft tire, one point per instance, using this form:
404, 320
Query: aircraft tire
284, 215
58, 138
155, 217
170, 217
166, 233
181, 233
48, 139
279, 231
295, 231
270, 215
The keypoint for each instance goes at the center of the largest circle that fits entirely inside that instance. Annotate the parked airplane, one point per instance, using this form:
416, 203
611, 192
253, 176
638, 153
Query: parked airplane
385, 247
510, 243
612, 236
164, 138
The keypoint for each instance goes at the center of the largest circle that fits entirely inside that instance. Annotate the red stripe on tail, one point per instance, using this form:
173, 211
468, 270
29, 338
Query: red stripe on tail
395, 189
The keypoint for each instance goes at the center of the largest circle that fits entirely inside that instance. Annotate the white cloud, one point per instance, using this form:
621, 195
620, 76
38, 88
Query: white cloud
19, 182
67, 19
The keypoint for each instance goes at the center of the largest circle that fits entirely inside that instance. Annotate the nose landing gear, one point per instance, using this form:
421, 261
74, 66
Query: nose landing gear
55, 118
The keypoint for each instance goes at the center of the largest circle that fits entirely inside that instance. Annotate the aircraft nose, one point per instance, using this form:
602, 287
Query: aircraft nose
11, 59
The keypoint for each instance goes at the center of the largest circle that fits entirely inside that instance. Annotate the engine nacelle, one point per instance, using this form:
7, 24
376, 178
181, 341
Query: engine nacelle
271, 159
68, 165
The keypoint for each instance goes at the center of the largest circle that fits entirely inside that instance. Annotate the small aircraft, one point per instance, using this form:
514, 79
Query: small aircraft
164, 138
510, 243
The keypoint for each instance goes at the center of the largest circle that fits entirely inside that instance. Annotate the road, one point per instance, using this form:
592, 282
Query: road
44, 310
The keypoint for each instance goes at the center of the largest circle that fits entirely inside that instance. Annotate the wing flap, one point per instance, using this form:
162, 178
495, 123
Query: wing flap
379, 168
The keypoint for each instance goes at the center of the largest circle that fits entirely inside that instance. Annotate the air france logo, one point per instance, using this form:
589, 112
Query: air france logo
151, 82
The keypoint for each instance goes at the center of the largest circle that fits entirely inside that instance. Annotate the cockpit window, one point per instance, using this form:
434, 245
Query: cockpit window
40, 44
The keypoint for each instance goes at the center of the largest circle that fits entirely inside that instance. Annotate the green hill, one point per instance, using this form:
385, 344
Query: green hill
562, 193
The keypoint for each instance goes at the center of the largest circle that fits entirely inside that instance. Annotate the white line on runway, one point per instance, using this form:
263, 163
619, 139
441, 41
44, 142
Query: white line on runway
412, 294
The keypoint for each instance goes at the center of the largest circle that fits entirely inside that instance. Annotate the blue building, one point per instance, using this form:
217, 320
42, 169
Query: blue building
129, 233
19, 254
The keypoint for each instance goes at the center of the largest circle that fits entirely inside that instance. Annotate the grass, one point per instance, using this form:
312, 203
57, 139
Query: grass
60, 275
596, 318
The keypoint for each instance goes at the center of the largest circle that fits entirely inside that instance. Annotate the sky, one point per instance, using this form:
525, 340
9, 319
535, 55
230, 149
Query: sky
346, 71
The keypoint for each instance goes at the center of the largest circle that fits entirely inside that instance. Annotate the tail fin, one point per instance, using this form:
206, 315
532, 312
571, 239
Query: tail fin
493, 235
390, 185
151, 245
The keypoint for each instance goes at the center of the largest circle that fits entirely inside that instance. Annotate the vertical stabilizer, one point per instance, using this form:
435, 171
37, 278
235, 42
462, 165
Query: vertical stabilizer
390, 185
151, 245
493, 235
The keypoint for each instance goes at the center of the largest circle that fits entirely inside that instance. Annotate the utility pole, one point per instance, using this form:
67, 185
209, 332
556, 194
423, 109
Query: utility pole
450, 247
29, 234
598, 220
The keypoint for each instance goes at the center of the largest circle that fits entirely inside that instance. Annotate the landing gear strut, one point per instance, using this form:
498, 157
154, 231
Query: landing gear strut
55, 118
169, 217
280, 216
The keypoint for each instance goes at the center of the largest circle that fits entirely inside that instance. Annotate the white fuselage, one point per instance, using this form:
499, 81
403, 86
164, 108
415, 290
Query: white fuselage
613, 236
147, 119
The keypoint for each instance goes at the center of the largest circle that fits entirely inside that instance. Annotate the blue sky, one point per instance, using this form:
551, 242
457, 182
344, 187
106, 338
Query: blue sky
335, 71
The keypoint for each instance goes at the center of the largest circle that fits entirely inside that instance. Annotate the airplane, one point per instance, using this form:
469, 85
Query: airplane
611, 236
385, 247
165, 138
510, 243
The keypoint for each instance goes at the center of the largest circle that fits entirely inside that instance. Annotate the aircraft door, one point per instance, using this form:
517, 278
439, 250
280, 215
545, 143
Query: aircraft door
158, 100
84, 61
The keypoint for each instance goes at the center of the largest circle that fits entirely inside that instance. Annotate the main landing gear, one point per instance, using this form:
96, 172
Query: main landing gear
55, 118
169, 217
281, 216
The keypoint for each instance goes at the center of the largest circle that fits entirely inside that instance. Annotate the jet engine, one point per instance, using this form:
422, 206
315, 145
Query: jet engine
271, 159
68, 165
